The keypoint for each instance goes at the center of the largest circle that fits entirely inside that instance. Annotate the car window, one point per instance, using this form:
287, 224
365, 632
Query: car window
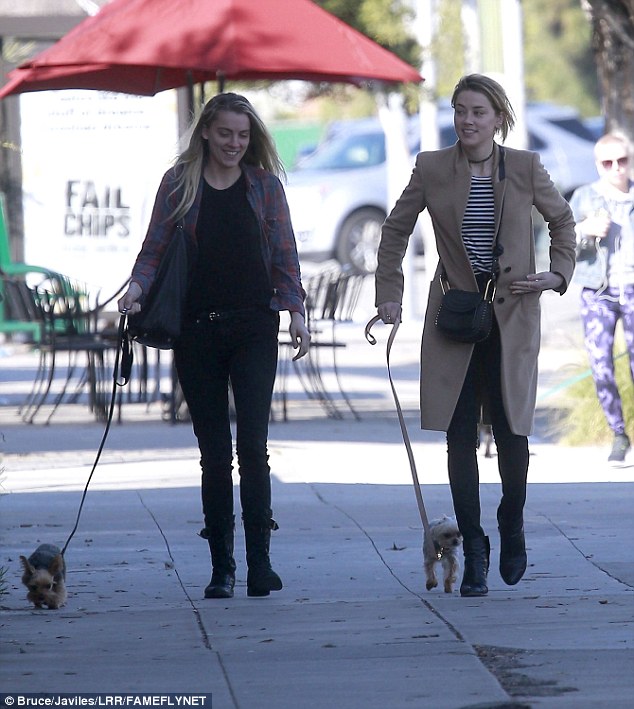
346, 152
447, 136
535, 143
574, 126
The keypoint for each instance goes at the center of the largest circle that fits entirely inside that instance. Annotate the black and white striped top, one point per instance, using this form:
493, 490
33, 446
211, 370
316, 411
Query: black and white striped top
478, 224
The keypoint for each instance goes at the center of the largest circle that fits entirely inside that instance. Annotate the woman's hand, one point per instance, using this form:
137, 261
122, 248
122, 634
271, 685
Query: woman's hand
389, 312
537, 282
129, 301
596, 225
300, 337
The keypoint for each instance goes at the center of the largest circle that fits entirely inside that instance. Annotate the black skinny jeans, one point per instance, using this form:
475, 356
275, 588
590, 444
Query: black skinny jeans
483, 383
241, 350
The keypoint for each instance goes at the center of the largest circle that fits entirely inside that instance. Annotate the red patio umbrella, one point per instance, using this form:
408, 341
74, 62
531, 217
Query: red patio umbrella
147, 46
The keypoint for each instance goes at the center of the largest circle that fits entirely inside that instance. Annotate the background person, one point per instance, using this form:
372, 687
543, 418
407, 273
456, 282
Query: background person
476, 191
225, 188
604, 211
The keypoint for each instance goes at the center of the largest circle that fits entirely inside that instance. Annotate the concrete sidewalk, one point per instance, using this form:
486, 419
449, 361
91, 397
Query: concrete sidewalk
354, 626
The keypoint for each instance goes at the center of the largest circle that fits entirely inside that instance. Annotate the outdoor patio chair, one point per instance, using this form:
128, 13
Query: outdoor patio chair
18, 314
70, 320
332, 295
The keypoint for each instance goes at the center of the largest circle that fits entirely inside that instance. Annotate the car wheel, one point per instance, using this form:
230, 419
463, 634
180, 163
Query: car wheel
359, 239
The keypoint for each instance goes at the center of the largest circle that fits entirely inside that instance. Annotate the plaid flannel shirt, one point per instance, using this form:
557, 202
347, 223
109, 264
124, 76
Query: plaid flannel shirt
266, 197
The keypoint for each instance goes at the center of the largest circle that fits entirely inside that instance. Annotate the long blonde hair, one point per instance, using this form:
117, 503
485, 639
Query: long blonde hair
261, 151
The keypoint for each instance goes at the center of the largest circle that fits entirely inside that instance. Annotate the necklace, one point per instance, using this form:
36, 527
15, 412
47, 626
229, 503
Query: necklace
477, 162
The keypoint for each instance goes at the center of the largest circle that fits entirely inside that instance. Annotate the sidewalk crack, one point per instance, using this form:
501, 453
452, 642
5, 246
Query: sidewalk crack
452, 628
581, 553
197, 615
201, 627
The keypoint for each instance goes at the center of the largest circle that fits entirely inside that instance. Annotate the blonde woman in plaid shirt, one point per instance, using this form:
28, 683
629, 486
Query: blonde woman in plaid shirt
226, 191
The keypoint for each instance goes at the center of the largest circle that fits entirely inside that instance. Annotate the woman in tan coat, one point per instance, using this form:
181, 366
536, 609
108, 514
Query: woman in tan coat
480, 197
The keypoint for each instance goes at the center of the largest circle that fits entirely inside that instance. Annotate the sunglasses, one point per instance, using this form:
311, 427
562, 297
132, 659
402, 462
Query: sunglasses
609, 164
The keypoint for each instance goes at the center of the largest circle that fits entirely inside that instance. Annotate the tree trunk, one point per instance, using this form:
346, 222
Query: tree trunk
11, 168
613, 44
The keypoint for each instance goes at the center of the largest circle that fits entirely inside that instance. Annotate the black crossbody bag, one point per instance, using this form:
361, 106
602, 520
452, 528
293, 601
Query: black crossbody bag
466, 316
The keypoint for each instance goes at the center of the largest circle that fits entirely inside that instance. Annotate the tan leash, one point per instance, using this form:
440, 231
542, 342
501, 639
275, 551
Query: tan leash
401, 419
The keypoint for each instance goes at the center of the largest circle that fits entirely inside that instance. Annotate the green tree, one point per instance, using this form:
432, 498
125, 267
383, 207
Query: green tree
612, 24
449, 47
558, 59
387, 22
558, 55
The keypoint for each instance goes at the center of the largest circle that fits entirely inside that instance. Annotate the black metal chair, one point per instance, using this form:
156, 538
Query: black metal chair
70, 322
332, 295
23, 313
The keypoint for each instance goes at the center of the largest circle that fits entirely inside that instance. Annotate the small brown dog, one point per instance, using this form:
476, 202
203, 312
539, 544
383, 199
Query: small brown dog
44, 575
446, 540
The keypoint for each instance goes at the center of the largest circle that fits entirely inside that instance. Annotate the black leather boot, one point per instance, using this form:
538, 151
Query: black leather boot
476, 567
261, 579
223, 577
513, 559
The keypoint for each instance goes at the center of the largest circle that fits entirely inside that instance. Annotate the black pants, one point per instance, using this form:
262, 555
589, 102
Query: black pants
482, 387
241, 350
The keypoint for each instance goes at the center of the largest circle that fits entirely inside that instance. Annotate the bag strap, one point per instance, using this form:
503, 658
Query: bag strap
432, 549
491, 286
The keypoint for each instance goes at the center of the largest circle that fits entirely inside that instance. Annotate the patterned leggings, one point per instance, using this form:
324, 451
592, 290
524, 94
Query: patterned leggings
600, 316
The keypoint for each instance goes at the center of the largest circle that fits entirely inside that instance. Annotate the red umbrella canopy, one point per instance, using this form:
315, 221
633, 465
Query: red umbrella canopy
147, 46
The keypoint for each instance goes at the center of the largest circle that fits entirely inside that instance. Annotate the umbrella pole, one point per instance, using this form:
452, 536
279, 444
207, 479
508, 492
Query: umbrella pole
190, 95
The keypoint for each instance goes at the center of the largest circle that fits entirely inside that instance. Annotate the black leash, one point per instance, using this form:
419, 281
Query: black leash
120, 377
401, 419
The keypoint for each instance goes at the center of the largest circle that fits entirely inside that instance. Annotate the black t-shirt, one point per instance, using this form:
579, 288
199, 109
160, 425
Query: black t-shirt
229, 273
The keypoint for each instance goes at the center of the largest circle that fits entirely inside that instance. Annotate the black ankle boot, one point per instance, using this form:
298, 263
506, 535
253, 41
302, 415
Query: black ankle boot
512, 555
261, 579
476, 567
223, 577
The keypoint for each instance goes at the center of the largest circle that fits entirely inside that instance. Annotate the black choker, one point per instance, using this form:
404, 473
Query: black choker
477, 162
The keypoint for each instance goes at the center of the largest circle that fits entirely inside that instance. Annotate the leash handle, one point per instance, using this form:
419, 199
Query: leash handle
401, 419
123, 366
123, 369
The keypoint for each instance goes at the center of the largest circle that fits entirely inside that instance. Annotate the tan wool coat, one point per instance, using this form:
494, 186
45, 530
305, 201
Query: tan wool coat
440, 183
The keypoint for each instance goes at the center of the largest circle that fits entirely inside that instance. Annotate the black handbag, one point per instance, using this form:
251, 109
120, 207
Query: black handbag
466, 316
158, 324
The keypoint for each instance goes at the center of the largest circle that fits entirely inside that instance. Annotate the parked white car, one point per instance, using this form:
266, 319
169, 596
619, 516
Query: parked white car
338, 194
